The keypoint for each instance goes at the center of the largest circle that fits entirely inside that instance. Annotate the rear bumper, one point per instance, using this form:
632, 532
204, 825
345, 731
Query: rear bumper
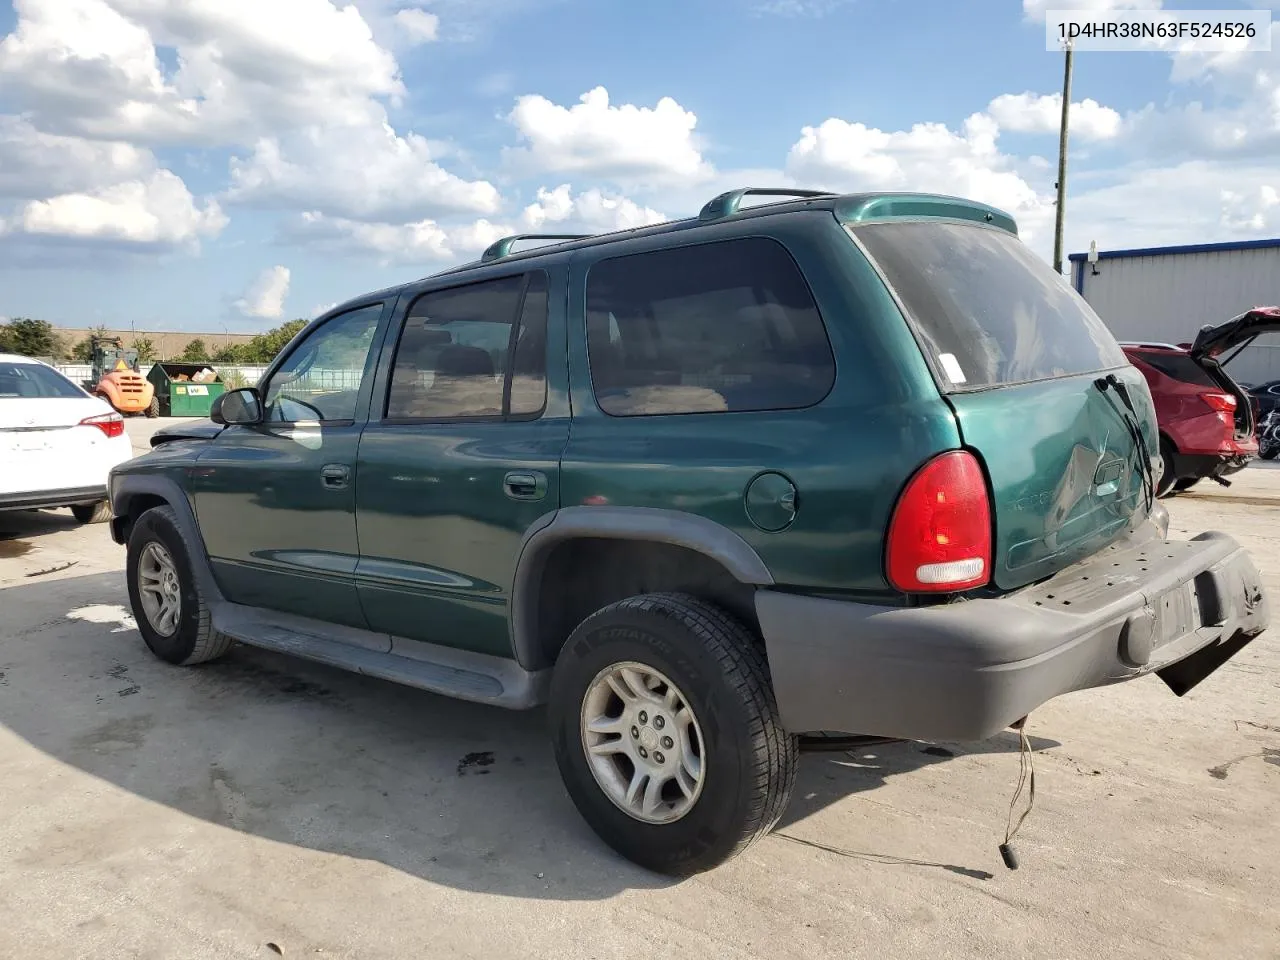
966, 670
52, 498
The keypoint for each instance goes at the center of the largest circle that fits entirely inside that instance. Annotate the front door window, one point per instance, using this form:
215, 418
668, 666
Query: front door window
321, 379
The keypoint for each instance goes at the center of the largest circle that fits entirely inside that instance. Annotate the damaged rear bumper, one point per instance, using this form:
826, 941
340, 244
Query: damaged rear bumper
966, 670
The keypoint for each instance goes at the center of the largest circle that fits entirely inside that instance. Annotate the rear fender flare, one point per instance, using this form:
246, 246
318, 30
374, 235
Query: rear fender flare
651, 524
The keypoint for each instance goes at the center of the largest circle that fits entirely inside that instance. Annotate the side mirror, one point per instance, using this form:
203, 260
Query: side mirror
237, 408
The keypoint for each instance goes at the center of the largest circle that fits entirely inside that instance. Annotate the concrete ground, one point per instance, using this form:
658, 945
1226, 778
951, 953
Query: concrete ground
262, 806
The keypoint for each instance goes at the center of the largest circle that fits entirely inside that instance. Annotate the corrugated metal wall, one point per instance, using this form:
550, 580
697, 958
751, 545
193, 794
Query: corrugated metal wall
1168, 297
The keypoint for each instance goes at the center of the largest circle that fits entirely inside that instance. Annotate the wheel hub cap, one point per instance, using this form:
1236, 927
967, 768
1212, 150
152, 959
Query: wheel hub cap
159, 589
643, 743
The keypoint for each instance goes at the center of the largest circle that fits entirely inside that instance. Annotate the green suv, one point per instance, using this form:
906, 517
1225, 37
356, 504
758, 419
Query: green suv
706, 490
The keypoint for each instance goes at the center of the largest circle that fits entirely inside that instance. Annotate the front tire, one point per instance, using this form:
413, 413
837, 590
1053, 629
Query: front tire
99, 512
674, 674
172, 614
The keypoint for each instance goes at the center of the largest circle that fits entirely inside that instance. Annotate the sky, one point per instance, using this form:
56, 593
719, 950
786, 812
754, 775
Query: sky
212, 165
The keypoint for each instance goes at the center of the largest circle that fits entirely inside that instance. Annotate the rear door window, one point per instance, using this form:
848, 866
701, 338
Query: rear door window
713, 328
477, 351
988, 311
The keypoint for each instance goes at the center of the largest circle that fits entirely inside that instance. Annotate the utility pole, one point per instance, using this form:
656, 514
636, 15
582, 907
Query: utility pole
1062, 163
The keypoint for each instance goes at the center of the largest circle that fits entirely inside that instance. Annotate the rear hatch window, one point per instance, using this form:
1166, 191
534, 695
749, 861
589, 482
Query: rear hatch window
1040, 389
32, 381
1179, 366
987, 310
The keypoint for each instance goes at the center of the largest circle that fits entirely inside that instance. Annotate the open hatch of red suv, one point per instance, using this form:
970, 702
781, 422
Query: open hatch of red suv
1207, 420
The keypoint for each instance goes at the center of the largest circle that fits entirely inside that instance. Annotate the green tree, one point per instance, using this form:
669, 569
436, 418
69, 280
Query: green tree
265, 346
82, 352
146, 348
231, 353
194, 352
31, 338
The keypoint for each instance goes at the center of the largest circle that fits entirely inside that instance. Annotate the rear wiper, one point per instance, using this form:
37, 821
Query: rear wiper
1134, 425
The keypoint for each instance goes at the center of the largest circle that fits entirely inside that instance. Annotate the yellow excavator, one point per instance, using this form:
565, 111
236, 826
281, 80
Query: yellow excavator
116, 379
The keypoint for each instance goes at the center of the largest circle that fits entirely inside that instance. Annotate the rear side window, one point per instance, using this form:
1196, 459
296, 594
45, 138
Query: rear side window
473, 351
988, 310
31, 380
714, 328
1180, 366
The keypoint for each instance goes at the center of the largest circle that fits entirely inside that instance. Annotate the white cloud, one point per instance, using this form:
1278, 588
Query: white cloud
423, 241
1252, 212
1034, 113
1147, 206
35, 164
592, 210
244, 67
418, 26
797, 8
362, 173
624, 143
302, 84
1036, 9
929, 157
1239, 118
266, 295
474, 237
156, 211
557, 210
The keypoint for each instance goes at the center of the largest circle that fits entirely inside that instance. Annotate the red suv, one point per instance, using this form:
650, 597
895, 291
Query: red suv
1206, 419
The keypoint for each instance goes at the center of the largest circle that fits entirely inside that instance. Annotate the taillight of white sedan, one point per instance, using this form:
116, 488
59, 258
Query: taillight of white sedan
57, 443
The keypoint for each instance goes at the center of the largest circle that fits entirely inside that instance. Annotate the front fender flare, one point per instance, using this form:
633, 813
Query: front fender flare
126, 488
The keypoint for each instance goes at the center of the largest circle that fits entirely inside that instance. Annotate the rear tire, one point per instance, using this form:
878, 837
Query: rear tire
1168, 478
99, 512
1269, 453
153, 408
159, 558
711, 671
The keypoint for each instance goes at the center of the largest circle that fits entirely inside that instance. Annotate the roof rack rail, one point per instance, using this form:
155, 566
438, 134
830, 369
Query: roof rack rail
727, 204
502, 248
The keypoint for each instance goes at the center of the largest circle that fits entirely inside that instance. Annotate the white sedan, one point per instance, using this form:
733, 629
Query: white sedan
57, 443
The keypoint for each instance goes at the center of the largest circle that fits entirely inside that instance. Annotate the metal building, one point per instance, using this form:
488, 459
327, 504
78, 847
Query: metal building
1166, 294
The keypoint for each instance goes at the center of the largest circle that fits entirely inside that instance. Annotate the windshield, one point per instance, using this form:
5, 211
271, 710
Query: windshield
988, 310
33, 380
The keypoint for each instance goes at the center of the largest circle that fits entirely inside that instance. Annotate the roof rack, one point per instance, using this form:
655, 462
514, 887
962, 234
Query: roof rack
727, 204
503, 247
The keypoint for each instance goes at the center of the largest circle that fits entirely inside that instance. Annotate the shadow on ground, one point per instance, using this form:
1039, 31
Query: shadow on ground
457, 794
20, 529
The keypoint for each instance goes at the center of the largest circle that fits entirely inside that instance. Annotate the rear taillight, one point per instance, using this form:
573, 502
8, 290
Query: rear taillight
111, 424
1224, 404
940, 535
